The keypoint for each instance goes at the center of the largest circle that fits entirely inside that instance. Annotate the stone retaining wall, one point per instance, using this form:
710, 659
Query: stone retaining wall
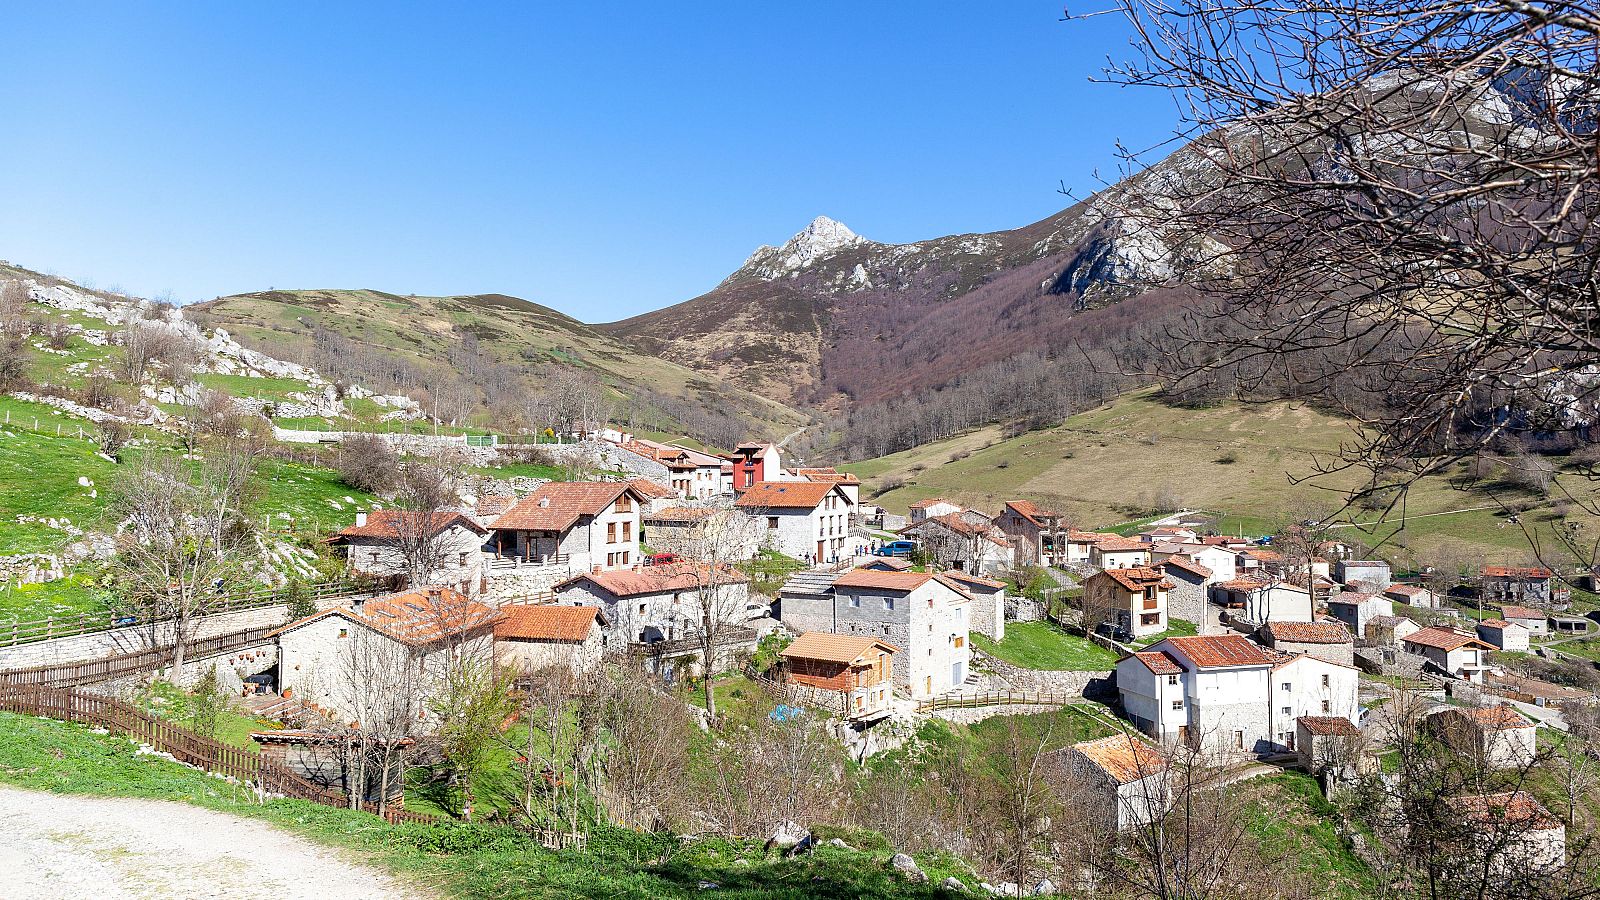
1089, 685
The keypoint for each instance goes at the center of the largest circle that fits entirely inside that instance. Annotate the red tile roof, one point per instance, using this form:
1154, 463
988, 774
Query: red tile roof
417, 618
558, 505
785, 494
964, 578
494, 505
1157, 662
1220, 650
1329, 725
1119, 543
1244, 584
1443, 639
388, 523
1407, 590
649, 490
828, 474
1138, 578
1309, 632
1498, 624
1187, 564
1512, 807
1522, 612
839, 648
1122, 757
931, 502
1032, 511
1496, 718
890, 563
680, 576
1515, 572
546, 622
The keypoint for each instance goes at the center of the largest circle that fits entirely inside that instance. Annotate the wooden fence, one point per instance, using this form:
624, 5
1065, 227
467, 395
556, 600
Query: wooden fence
117, 717
48, 629
999, 698
135, 663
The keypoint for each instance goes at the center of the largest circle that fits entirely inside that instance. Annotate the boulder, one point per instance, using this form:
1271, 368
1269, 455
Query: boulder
953, 884
1044, 888
787, 835
1008, 889
835, 842
905, 865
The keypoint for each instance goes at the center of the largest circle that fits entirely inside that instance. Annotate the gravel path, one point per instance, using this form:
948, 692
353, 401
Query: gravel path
60, 846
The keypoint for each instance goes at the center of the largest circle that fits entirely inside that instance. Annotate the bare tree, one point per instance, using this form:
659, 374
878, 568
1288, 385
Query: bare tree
366, 462
710, 548
1390, 210
426, 492
14, 309
645, 759
386, 692
187, 534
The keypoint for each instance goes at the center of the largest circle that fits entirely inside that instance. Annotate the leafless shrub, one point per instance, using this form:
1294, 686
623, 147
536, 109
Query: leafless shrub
367, 463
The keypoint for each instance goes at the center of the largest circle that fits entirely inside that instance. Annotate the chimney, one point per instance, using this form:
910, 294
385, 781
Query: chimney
544, 502
361, 520
435, 592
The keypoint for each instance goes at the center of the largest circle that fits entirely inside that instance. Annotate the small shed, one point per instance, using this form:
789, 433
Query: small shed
1127, 777
1503, 635
851, 674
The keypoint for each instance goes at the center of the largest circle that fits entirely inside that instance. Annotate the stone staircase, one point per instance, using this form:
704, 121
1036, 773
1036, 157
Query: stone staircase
809, 583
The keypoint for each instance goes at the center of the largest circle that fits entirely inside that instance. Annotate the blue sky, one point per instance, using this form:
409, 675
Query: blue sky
604, 159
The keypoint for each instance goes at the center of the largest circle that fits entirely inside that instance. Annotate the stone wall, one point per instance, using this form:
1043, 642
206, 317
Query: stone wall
1089, 685
507, 585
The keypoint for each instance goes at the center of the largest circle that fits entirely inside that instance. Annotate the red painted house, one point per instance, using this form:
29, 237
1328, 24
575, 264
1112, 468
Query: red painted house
755, 463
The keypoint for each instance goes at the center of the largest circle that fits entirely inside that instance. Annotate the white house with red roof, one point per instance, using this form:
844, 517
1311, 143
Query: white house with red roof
927, 616
932, 507
1504, 635
374, 546
1211, 692
1119, 553
1413, 595
1225, 694
811, 521
650, 604
581, 525
1537, 621
356, 662
1258, 600
1133, 599
1455, 653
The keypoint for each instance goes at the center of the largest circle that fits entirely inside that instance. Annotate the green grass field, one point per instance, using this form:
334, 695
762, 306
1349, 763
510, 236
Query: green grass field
1040, 645
1109, 467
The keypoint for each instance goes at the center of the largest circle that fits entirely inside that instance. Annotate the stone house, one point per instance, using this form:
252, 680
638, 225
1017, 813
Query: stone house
1331, 641
1211, 692
956, 542
1362, 574
581, 525
850, 674
1119, 553
989, 604
1356, 609
651, 604
1038, 535
1518, 833
538, 636
1390, 630
1191, 582
1503, 635
326, 760
732, 533
1134, 600
691, 475
373, 547
1126, 780
1327, 743
807, 520
1494, 737
1413, 595
1255, 601
653, 497
399, 645
927, 616
1523, 585
1537, 621
1456, 653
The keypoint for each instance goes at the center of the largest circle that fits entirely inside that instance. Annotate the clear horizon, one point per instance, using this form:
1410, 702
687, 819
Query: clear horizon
602, 165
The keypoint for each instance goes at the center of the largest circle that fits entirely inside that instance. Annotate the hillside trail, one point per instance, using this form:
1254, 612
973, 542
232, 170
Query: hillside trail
60, 846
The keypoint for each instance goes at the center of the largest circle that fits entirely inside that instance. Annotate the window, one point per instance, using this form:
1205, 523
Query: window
1287, 686
627, 532
1177, 704
772, 522
624, 504
1326, 708
625, 555
611, 532
961, 641
1287, 711
855, 601
888, 603
641, 609
1324, 680
1172, 679
344, 632
611, 559
1238, 740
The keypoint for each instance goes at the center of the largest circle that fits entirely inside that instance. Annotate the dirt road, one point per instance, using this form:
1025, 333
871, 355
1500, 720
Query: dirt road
60, 846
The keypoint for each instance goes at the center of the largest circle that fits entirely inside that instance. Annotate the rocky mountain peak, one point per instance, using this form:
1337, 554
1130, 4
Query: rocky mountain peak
823, 237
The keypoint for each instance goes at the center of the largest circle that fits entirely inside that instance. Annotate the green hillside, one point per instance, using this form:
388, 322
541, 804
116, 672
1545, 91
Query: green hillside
423, 330
1136, 455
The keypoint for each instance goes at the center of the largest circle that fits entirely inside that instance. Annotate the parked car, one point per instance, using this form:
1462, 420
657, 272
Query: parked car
897, 548
660, 559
